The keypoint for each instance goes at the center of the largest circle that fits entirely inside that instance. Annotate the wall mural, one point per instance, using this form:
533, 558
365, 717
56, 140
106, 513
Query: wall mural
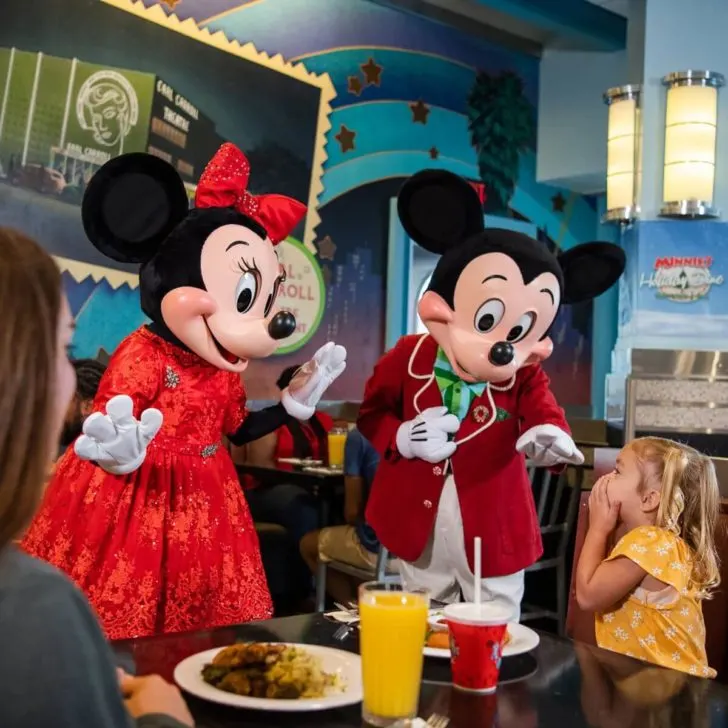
76, 91
386, 92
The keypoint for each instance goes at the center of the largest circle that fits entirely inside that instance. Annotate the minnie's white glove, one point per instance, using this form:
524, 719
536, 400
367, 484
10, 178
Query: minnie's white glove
117, 441
312, 380
426, 436
548, 445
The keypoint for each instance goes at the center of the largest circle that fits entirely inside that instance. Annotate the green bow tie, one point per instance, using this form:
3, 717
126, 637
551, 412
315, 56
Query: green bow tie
457, 395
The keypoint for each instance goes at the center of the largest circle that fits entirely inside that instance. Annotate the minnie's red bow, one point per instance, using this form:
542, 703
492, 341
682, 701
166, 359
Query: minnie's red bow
224, 183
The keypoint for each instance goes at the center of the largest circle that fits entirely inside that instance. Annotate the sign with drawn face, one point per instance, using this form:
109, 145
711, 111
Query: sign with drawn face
303, 293
107, 106
109, 113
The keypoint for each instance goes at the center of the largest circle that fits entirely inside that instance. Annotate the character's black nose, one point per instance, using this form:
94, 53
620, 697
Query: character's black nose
501, 354
282, 325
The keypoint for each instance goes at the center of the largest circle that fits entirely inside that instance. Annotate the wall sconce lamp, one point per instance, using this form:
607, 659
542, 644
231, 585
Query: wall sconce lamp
623, 157
691, 121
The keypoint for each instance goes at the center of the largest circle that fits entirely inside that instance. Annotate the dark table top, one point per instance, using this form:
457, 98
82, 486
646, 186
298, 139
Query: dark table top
276, 471
561, 685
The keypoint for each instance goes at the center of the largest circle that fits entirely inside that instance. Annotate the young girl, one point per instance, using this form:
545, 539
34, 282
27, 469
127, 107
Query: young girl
647, 593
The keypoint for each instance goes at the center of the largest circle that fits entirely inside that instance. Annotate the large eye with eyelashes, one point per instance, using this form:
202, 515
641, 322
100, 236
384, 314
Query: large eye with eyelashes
489, 315
522, 328
246, 292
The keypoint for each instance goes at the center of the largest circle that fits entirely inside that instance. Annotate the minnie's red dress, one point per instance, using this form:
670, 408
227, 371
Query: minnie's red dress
170, 547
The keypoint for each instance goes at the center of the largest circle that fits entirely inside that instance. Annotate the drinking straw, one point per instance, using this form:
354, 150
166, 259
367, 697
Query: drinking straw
477, 570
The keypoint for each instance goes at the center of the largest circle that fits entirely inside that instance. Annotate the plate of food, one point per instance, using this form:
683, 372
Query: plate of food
519, 639
273, 676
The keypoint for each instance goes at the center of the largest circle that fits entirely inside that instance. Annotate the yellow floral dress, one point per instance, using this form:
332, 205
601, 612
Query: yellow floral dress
663, 627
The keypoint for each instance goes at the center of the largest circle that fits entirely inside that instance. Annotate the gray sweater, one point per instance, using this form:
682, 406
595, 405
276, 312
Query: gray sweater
56, 668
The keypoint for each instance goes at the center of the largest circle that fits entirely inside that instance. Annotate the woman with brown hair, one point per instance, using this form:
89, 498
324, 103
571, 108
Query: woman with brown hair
56, 668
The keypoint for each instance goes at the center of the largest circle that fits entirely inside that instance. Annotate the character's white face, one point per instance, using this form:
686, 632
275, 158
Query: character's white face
497, 323
229, 322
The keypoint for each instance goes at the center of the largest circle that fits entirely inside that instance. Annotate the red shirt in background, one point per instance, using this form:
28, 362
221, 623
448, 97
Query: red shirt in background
286, 444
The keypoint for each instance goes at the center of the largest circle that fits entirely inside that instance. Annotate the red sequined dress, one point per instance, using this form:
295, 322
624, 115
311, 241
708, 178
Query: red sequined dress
170, 547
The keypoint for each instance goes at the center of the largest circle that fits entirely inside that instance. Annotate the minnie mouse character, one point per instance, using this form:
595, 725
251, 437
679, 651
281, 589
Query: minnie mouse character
455, 411
146, 513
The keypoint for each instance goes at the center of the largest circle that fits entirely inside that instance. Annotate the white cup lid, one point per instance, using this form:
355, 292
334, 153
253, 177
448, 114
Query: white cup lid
485, 613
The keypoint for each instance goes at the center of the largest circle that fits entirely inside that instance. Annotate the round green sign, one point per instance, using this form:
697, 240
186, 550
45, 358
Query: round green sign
303, 292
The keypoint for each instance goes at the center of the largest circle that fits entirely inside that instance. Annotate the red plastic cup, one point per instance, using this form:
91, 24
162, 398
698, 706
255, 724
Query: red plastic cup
477, 633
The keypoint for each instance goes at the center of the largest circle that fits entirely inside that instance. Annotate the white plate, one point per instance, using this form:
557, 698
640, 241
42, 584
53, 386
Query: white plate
188, 675
320, 470
522, 640
348, 617
300, 461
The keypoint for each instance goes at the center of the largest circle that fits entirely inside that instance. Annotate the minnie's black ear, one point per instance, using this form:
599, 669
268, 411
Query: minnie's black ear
439, 210
589, 270
131, 205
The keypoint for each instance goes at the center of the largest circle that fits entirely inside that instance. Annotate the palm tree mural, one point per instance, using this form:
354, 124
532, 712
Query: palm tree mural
502, 126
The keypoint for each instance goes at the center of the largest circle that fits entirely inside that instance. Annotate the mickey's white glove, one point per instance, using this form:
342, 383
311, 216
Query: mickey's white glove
310, 382
117, 441
426, 436
548, 445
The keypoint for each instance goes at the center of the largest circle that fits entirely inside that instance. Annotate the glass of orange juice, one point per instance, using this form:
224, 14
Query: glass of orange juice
337, 442
392, 638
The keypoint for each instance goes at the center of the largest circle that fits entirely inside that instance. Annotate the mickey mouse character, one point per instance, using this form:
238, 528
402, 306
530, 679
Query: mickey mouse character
146, 513
454, 412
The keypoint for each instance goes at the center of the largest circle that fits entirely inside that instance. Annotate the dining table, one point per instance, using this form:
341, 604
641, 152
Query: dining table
560, 684
325, 484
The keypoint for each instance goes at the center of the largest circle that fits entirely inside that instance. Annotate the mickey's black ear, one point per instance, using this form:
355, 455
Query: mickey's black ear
590, 269
439, 210
131, 205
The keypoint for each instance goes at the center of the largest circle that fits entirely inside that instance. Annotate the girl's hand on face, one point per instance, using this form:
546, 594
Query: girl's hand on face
603, 513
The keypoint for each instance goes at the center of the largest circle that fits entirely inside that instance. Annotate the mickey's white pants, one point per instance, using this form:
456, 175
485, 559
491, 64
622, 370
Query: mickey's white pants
443, 567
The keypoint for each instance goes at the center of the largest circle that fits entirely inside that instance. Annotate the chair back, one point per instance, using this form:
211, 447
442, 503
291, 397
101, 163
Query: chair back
557, 499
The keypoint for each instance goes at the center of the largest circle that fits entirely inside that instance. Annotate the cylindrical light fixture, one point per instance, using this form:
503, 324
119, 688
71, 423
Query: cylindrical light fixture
622, 153
691, 121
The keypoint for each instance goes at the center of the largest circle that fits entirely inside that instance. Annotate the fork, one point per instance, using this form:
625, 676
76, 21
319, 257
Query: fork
345, 630
438, 721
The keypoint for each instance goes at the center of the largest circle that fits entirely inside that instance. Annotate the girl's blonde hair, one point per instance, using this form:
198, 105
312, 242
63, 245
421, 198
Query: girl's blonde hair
30, 302
689, 502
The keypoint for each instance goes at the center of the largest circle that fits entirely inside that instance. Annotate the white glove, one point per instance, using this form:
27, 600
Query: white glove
426, 436
548, 445
309, 383
117, 441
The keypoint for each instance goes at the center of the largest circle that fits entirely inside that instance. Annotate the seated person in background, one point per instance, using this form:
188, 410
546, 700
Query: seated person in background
355, 543
88, 377
647, 592
286, 504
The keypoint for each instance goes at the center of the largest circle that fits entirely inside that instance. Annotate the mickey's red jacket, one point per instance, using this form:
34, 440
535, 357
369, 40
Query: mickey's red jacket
494, 490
